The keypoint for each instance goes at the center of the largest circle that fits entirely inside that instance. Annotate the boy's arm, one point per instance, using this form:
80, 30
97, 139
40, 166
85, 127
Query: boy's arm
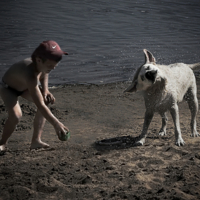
39, 101
44, 80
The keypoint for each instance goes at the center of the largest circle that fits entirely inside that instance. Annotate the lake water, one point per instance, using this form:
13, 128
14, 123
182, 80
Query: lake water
104, 38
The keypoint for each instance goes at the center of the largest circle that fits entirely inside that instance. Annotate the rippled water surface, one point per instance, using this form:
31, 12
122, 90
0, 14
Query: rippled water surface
104, 38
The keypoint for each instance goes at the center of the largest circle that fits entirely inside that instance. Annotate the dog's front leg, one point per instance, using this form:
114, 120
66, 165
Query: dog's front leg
147, 120
175, 116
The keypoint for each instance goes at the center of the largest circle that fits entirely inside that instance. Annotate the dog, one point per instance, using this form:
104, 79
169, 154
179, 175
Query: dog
164, 86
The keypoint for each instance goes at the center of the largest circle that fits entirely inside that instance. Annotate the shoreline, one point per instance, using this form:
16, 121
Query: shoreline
52, 86
87, 84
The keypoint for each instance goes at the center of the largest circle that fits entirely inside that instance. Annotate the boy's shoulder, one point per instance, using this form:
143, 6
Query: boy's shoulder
22, 63
27, 61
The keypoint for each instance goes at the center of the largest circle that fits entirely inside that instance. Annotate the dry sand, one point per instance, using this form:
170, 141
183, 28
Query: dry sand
81, 169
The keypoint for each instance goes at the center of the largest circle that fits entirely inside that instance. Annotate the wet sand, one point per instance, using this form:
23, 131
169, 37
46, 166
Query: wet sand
82, 169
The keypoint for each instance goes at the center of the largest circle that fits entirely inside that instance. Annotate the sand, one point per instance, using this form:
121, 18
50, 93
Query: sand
82, 169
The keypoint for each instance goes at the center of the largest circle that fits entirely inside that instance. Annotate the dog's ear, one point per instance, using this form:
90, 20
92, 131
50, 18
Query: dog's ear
149, 58
132, 87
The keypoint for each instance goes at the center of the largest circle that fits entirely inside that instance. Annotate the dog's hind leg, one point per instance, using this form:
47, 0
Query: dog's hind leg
162, 131
175, 116
192, 101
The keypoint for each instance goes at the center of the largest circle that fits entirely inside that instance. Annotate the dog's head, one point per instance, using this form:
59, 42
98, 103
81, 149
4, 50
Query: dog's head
146, 75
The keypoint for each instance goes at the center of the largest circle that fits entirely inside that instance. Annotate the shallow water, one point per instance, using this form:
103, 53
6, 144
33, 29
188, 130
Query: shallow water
104, 38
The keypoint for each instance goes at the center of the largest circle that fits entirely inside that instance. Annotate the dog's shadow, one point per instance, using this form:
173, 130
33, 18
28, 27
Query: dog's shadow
122, 142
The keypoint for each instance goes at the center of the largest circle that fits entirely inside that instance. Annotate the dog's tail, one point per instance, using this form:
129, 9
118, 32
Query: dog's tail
195, 66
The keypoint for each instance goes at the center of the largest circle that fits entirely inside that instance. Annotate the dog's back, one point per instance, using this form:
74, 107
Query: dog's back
179, 78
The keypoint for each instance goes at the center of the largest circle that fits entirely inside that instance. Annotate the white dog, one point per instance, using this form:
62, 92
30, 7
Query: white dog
164, 86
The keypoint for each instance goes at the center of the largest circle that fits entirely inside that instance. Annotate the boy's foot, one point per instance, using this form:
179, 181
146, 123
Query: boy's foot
38, 145
2, 147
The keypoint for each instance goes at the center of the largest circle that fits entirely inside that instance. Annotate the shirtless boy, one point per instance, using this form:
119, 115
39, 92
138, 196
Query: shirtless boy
22, 79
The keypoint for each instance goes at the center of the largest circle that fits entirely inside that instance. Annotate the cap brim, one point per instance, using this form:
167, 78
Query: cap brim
59, 53
65, 53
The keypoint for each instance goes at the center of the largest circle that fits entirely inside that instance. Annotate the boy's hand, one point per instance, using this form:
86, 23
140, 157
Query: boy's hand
61, 129
48, 98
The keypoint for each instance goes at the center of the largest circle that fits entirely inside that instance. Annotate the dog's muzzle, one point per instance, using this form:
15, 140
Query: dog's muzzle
151, 75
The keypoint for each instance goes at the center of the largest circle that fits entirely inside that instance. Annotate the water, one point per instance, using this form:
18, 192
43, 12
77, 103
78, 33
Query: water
104, 38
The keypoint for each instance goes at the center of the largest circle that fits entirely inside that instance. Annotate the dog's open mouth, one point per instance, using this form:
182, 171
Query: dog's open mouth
142, 77
151, 75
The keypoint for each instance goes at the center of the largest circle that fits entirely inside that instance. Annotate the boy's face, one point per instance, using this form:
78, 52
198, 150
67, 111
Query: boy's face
47, 65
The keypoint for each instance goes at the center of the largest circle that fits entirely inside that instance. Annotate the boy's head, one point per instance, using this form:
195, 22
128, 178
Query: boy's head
48, 50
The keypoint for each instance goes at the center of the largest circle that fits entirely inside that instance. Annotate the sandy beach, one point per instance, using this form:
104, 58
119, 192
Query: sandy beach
82, 169
104, 40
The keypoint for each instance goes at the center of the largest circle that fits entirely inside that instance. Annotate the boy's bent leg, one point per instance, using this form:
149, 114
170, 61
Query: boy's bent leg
14, 114
38, 124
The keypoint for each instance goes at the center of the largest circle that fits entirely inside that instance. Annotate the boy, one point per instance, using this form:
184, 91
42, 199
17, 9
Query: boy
22, 79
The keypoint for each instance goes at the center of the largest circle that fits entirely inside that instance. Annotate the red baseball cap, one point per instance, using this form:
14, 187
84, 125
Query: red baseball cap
50, 50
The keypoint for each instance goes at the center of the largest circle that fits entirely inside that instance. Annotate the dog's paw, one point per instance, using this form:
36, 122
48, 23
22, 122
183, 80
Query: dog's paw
140, 142
195, 134
180, 142
162, 133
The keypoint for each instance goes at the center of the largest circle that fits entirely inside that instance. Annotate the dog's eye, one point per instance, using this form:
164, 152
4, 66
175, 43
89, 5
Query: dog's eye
147, 68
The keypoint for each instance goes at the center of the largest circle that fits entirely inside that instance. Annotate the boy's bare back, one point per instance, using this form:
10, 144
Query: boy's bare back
18, 74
